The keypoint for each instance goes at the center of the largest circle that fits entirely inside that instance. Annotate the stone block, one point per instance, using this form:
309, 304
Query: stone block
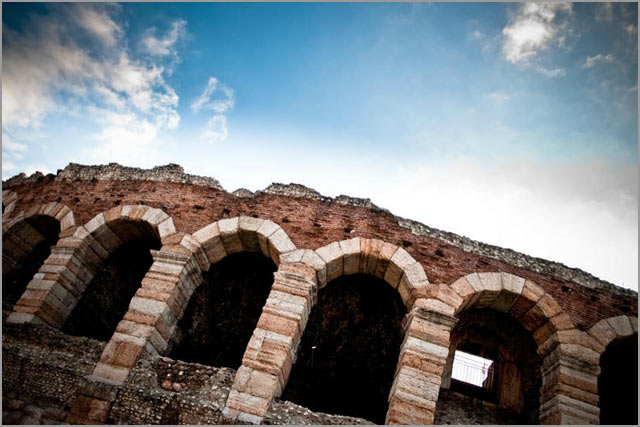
264, 232
333, 257
247, 403
621, 325
351, 250
194, 246
398, 263
166, 228
279, 243
434, 305
209, 239
369, 253
603, 332
230, 236
384, 258
116, 374
248, 227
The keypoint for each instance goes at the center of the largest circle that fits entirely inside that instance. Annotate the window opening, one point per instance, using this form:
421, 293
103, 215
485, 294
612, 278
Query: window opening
474, 370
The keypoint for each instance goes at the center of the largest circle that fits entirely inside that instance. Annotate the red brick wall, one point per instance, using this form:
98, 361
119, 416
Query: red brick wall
311, 224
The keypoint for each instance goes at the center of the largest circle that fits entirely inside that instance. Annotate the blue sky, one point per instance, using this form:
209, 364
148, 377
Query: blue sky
512, 124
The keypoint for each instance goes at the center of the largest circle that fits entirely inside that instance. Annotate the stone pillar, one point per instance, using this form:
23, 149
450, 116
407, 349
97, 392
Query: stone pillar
423, 356
271, 351
57, 287
569, 392
147, 326
448, 368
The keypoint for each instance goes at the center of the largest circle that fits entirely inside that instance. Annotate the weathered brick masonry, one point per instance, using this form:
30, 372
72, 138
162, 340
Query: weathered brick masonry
190, 223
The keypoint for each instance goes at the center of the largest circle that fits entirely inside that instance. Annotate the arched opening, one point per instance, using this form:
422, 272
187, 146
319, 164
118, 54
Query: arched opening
349, 351
25, 248
618, 382
495, 372
106, 298
223, 312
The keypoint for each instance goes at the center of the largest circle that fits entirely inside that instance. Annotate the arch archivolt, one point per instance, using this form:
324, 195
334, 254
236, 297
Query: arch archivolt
612, 328
21, 233
9, 200
57, 287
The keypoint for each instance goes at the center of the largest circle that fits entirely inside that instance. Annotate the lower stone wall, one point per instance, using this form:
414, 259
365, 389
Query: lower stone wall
457, 409
42, 370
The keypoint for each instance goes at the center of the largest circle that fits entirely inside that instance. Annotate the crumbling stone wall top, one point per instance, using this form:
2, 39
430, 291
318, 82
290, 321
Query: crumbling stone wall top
175, 173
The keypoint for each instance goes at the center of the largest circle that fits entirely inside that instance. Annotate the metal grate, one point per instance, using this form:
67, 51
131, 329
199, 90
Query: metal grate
473, 370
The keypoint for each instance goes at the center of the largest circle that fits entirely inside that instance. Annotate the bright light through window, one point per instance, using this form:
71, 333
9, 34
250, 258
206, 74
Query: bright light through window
471, 369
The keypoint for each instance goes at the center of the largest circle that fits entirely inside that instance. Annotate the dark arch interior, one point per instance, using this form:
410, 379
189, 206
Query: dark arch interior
106, 298
349, 351
618, 382
15, 282
516, 385
223, 312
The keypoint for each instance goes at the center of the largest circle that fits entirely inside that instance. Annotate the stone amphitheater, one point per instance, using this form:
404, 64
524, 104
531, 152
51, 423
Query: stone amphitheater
136, 296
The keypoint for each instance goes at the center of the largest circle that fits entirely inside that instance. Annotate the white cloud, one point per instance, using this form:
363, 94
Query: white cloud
631, 29
581, 214
165, 45
215, 97
531, 30
476, 35
551, 72
216, 129
50, 62
96, 20
13, 149
220, 99
593, 60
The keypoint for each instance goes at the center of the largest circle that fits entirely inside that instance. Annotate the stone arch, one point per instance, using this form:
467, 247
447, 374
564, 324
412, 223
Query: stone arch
375, 257
567, 393
23, 232
612, 328
151, 321
617, 358
9, 199
26, 243
272, 350
58, 286
239, 256
227, 236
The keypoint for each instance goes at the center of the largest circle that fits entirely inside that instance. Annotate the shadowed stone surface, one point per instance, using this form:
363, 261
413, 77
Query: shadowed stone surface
356, 329
107, 297
224, 310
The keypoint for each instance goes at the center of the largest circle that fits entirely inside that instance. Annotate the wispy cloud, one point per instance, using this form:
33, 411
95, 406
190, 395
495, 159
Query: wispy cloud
593, 60
51, 62
163, 46
220, 99
604, 12
532, 29
551, 72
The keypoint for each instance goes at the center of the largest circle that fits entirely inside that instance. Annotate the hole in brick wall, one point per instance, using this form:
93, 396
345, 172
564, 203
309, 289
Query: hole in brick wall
117, 202
593, 298
618, 382
16, 279
225, 212
96, 199
566, 289
349, 350
58, 199
439, 253
76, 199
285, 220
198, 207
511, 382
581, 327
315, 224
406, 243
348, 229
224, 311
481, 263
106, 298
